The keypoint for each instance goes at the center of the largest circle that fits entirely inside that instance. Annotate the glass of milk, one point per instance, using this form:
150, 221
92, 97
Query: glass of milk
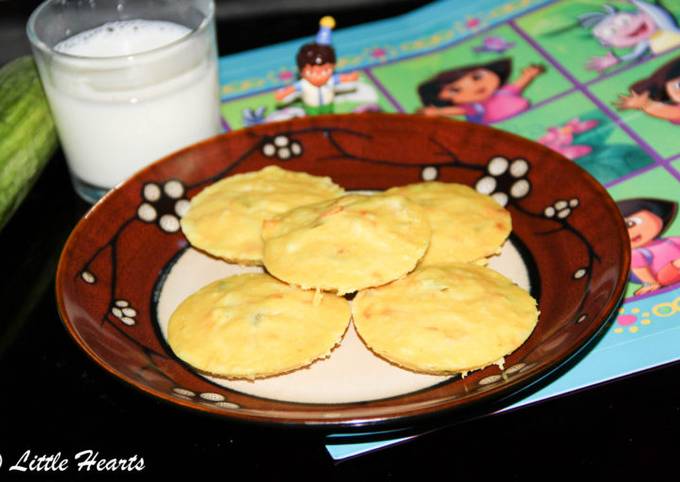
128, 82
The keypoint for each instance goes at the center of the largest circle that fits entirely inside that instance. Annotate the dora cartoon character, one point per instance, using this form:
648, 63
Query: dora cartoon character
658, 95
479, 92
655, 261
318, 81
650, 29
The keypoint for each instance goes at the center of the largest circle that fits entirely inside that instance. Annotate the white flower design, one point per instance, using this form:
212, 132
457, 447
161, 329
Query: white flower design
212, 397
164, 204
122, 310
561, 209
490, 379
184, 392
282, 147
429, 173
514, 368
206, 398
505, 180
88, 277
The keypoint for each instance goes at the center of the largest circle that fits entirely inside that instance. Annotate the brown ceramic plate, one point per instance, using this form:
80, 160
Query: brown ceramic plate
127, 265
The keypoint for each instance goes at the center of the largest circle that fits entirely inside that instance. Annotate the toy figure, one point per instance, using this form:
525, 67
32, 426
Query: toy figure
658, 95
316, 64
649, 29
479, 92
655, 261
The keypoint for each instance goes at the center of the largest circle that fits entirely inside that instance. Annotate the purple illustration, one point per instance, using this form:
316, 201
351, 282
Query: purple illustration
494, 44
561, 138
649, 29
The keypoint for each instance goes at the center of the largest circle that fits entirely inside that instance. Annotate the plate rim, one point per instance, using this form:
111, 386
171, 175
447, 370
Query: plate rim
348, 422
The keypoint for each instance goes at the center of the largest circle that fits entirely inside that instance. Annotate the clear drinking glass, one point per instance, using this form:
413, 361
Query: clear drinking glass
119, 112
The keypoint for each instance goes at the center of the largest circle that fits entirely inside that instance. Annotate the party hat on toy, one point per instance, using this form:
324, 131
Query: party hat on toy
326, 24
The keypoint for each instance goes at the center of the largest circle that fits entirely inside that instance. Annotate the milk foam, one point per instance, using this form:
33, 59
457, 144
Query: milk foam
120, 38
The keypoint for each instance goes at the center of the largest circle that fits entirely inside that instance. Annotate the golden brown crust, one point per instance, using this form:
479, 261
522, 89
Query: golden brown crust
445, 319
225, 219
346, 244
252, 326
466, 225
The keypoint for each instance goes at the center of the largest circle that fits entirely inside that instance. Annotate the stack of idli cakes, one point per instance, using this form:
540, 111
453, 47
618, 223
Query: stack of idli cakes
412, 260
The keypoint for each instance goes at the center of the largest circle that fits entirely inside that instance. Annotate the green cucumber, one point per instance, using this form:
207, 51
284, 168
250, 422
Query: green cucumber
28, 137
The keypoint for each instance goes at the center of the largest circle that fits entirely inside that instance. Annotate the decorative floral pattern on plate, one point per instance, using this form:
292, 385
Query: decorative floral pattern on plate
119, 256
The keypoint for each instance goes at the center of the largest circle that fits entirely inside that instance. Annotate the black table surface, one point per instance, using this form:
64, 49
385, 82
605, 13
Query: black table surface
54, 399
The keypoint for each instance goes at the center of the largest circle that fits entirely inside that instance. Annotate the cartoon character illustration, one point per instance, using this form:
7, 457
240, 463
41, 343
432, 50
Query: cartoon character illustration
590, 141
561, 138
655, 261
479, 92
316, 65
494, 44
658, 95
650, 29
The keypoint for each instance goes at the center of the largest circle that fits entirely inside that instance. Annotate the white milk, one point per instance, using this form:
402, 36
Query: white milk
116, 111
128, 37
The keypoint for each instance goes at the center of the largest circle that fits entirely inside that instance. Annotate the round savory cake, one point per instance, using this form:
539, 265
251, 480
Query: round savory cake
445, 319
346, 244
252, 325
466, 225
225, 219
